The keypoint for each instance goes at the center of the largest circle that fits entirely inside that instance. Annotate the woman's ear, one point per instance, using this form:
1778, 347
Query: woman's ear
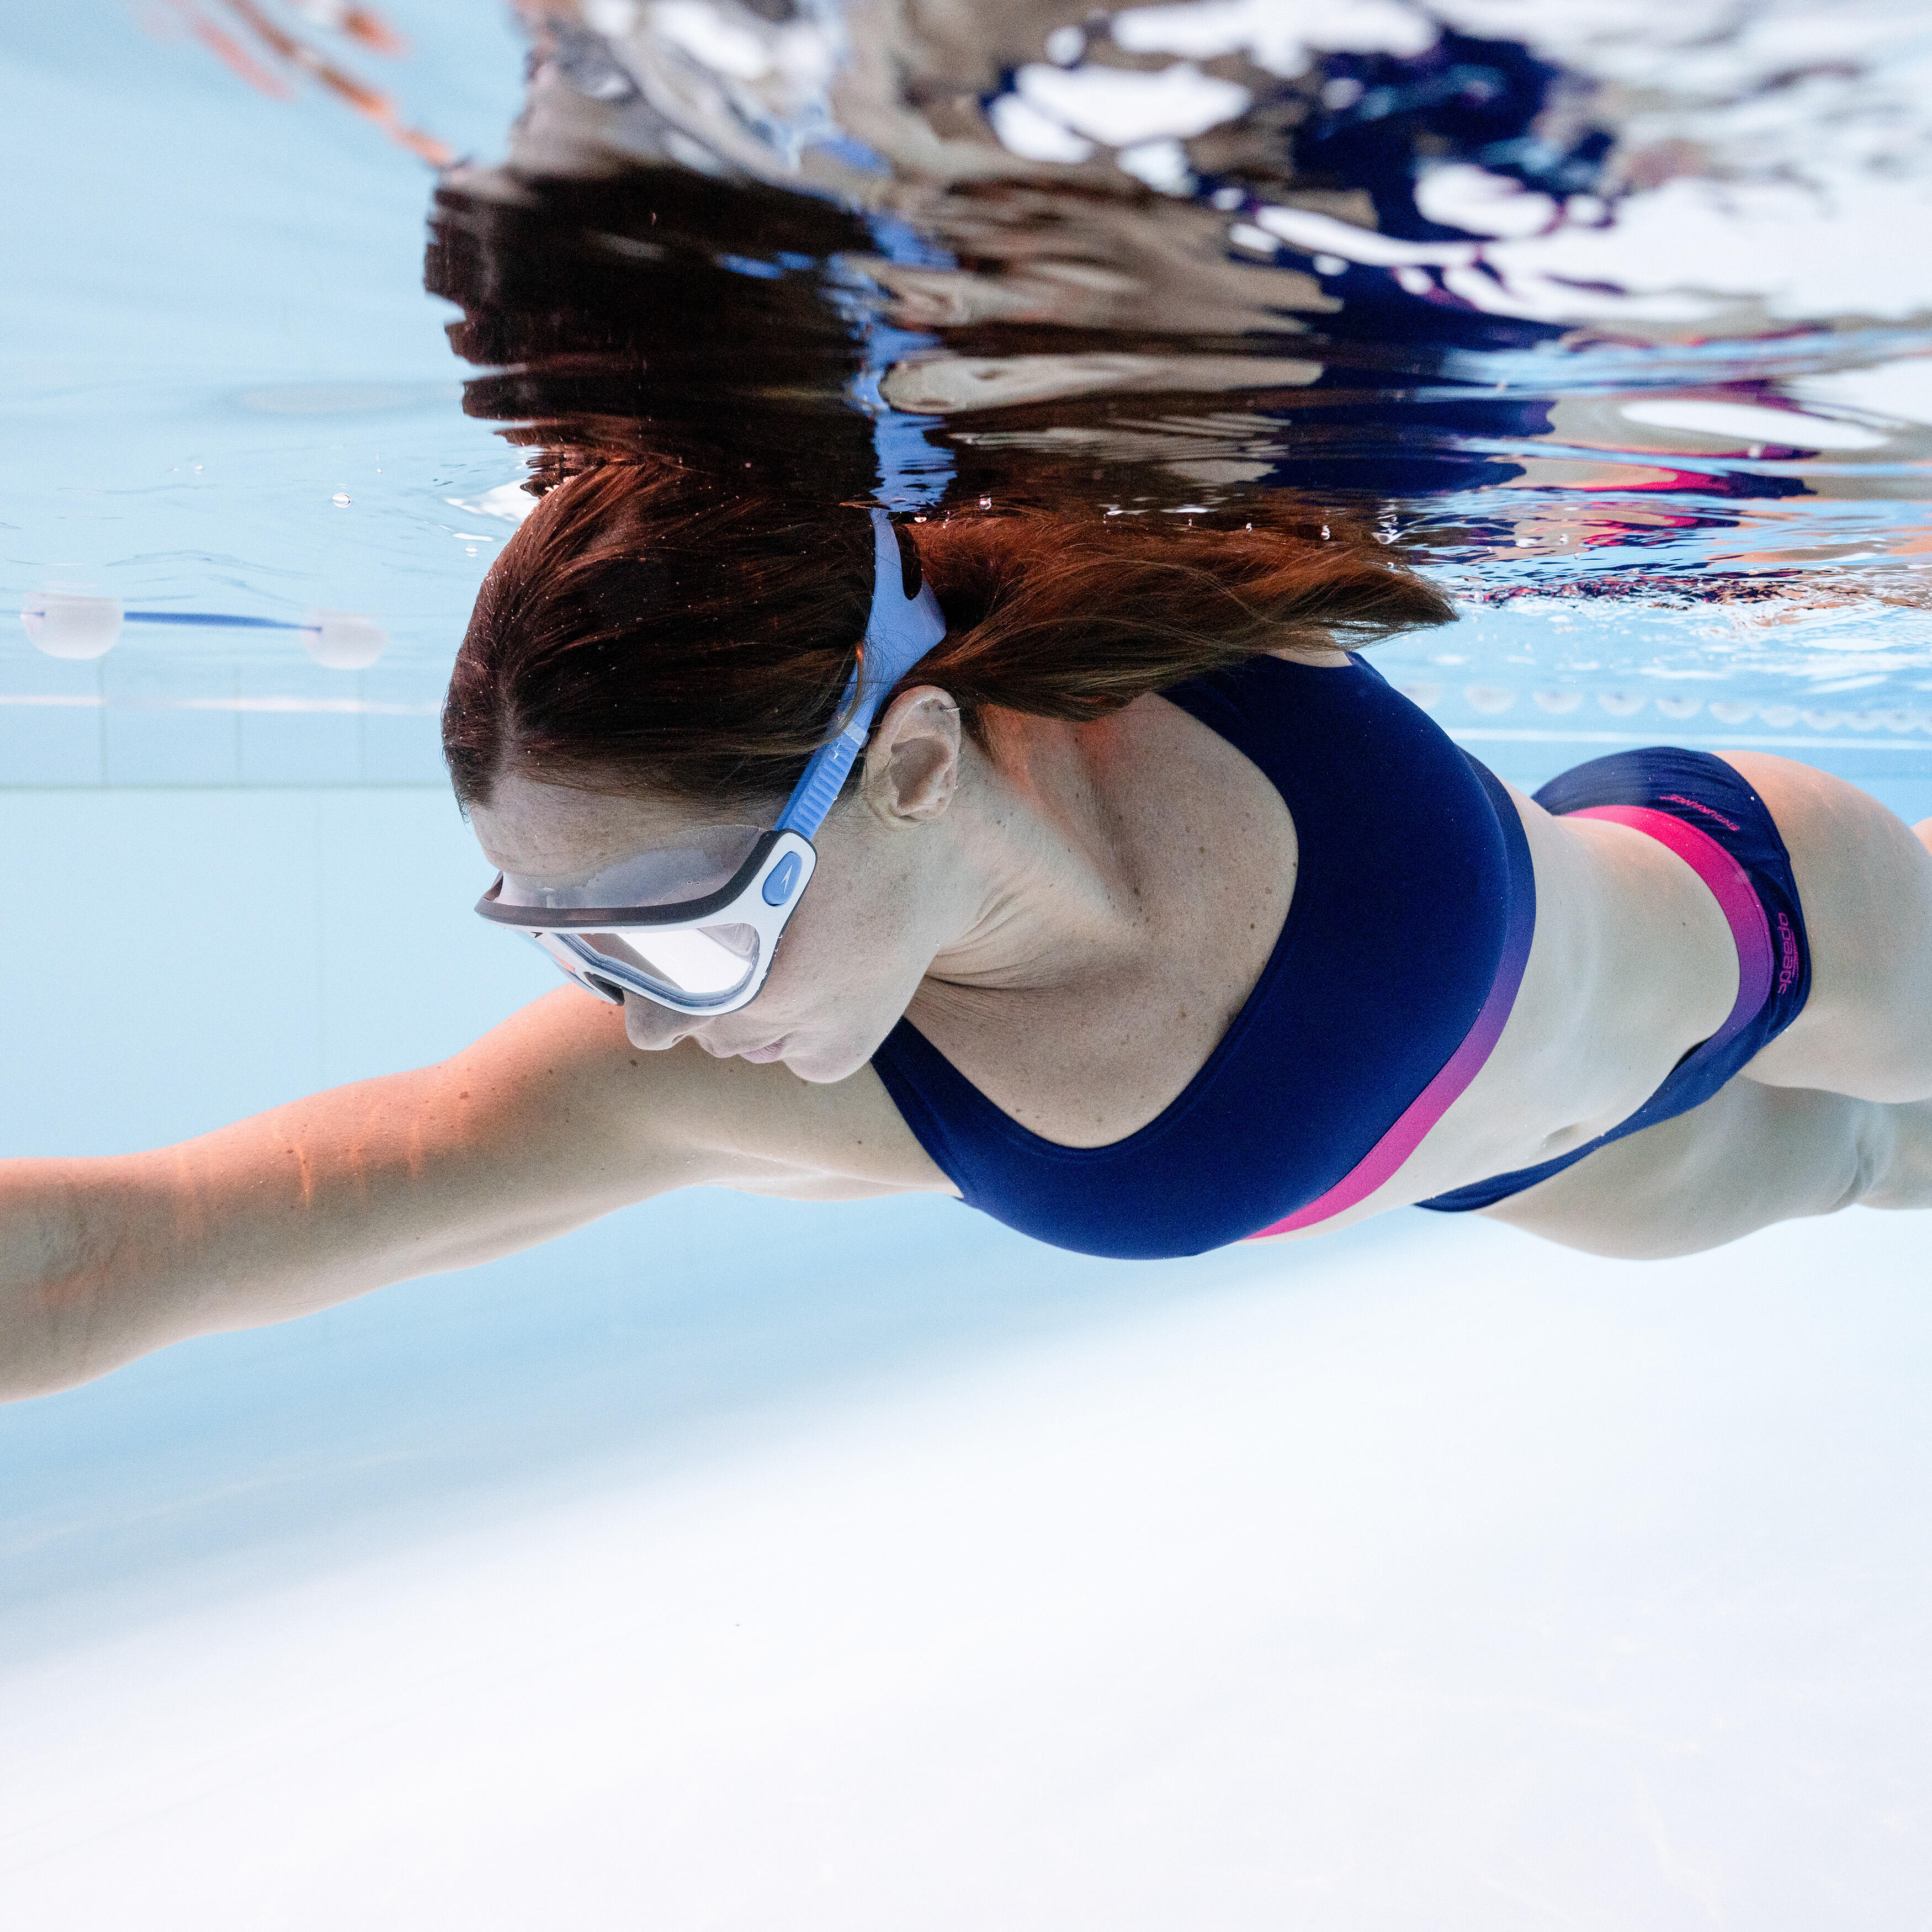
912, 763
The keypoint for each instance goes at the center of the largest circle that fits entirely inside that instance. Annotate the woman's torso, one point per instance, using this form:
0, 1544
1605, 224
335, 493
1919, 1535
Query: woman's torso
1109, 1085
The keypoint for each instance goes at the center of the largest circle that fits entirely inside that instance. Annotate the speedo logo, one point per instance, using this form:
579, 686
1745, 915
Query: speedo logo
1697, 805
1788, 961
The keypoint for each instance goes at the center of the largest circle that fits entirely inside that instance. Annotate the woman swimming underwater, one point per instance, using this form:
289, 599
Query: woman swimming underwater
1147, 920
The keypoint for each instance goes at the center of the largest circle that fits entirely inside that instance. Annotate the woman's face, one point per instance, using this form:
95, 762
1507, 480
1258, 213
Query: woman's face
876, 912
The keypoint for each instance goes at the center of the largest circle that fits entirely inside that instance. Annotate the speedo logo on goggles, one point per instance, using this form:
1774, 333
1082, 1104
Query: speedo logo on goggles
694, 927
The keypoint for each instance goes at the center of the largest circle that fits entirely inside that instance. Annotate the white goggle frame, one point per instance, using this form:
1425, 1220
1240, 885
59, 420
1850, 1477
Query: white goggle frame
706, 956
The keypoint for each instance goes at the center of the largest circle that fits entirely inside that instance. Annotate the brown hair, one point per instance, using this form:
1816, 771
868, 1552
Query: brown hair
649, 629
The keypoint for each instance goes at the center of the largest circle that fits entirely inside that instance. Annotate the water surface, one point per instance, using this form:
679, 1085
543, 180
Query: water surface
1619, 317
1615, 316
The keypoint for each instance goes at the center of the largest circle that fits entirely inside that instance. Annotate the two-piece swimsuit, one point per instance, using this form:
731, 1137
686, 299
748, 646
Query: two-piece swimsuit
1406, 937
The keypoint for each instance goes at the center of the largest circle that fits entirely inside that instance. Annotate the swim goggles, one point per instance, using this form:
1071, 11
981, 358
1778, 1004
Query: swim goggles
694, 926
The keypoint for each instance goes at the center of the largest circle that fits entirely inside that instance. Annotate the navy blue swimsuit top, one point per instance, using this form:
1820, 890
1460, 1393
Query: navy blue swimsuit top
1405, 939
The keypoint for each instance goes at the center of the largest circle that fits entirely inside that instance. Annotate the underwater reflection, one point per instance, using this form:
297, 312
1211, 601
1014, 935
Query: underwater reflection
1613, 321
1600, 319
1607, 295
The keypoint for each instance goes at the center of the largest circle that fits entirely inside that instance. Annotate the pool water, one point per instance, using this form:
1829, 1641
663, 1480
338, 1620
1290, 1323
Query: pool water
228, 394
740, 1564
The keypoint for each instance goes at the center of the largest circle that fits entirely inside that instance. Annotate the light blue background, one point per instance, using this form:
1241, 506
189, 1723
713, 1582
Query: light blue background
1523, 1588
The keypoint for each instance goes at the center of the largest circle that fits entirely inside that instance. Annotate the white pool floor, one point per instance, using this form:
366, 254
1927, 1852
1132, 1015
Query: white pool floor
1448, 1583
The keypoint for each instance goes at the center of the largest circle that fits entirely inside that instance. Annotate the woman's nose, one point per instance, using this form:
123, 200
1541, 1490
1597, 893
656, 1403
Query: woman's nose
651, 1026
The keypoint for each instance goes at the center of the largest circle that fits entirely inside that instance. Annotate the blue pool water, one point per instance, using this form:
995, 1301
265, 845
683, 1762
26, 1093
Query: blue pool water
741, 1564
215, 328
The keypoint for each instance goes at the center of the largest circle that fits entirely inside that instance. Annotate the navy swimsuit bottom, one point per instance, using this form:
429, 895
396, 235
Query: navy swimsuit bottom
1406, 938
1705, 812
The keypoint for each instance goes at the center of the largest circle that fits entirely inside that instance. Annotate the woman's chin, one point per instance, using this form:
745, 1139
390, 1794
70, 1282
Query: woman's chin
822, 1063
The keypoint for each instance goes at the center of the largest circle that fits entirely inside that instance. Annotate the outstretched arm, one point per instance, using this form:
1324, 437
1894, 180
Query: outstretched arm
547, 1122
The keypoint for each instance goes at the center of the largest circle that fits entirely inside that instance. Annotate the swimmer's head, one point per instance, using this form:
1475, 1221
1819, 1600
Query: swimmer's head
885, 896
652, 655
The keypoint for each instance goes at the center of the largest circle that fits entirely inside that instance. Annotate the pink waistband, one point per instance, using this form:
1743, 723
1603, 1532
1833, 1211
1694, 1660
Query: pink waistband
1729, 885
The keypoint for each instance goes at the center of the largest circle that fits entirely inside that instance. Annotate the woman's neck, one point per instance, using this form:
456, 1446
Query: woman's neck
1049, 859
1122, 886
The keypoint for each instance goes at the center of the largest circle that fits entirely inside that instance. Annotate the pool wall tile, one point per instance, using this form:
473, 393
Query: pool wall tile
169, 723
303, 747
260, 982
50, 745
401, 751
44, 742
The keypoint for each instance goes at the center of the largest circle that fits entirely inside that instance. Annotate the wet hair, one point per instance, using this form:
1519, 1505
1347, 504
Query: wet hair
653, 630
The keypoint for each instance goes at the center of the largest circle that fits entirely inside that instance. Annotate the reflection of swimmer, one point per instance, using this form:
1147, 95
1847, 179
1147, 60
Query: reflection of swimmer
1147, 921
277, 52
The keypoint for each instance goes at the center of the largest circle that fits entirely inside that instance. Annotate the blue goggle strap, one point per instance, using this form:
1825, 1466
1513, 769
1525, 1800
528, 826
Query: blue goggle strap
900, 631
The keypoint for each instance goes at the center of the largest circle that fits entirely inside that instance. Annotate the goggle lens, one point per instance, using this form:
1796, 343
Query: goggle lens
692, 927
704, 962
